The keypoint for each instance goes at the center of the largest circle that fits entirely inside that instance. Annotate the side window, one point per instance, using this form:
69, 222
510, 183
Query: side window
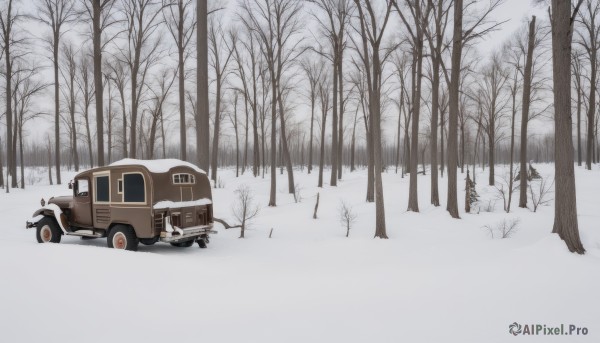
102, 189
82, 187
133, 188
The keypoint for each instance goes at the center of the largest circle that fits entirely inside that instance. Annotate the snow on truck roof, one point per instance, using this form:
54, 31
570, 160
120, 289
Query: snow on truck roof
157, 166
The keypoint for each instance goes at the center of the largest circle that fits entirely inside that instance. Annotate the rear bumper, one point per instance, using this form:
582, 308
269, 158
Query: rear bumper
186, 234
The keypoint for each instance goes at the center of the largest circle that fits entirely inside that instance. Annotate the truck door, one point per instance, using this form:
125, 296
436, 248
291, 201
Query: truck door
82, 205
101, 200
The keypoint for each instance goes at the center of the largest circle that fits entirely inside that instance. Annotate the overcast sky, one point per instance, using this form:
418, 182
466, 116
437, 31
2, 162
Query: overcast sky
516, 12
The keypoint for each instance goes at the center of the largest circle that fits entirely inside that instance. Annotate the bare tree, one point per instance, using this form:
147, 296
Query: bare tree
347, 217
55, 14
233, 118
87, 91
244, 209
337, 15
435, 38
26, 87
70, 93
119, 76
565, 206
142, 19
100, 13
324, 98
492, 97
577, 61
202, 110
313, 71
181, 22
164, 83
415, 29
527, 79
9, 17
276, 23
477, 26
372, 28
220, 55
589, 40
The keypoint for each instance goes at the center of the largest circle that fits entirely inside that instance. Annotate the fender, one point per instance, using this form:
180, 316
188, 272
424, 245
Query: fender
51, 210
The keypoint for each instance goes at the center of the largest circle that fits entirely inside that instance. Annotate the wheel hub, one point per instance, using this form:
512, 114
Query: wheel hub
119, 241
46, 234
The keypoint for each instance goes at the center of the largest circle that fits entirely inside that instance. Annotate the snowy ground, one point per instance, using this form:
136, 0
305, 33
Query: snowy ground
435, 280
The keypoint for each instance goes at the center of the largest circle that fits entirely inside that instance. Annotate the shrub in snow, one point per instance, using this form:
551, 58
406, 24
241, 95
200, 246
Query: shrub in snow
539, 192
244, 209
505, 191
471, 196
505, 229
347, 217
533, 173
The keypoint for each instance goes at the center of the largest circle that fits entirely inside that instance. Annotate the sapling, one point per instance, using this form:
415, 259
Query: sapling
347, 217
244, 209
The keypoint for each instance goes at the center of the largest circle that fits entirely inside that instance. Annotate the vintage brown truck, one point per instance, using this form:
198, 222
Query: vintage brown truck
131, 202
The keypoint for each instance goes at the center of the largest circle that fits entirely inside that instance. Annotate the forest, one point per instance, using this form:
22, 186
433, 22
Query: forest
307, 86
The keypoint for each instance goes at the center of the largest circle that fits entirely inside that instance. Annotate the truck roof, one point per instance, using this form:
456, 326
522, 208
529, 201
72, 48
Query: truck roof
157, 166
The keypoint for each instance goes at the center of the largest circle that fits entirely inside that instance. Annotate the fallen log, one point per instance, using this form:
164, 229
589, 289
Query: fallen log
225, 224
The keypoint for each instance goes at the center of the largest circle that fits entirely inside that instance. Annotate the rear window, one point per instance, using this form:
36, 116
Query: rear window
133, 188
183, 179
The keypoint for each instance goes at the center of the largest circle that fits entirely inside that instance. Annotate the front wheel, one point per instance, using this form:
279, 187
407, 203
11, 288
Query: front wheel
123, 237
48, 231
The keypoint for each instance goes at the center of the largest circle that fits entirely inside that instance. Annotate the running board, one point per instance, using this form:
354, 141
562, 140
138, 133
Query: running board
85, 233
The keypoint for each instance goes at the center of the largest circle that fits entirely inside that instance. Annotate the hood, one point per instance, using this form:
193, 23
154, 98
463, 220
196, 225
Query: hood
62, 202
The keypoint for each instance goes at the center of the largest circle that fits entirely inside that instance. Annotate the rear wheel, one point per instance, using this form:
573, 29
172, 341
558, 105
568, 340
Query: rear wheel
48, 231
123, 237
185, 244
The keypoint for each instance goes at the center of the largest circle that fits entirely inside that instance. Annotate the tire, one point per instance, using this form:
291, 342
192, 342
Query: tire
48, 231
202, 243
185, 244
123, 237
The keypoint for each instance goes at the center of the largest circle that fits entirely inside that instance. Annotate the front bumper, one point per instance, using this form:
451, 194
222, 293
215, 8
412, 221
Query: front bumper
186, 234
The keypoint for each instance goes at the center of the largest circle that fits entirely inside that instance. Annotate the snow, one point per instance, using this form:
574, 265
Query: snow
435, 280
172, 204
158, 166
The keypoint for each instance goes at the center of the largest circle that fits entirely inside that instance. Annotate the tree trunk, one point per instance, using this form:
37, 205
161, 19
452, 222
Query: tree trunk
565, 204
273, 192
1, 166
511, 177
340, 138
525, 118
216, 132
579, 105
245, 162
56, 107
287, 159
202, 110
413, 194
310, 139
452, 205
591, 110
97, 37
334, 120
182, 121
